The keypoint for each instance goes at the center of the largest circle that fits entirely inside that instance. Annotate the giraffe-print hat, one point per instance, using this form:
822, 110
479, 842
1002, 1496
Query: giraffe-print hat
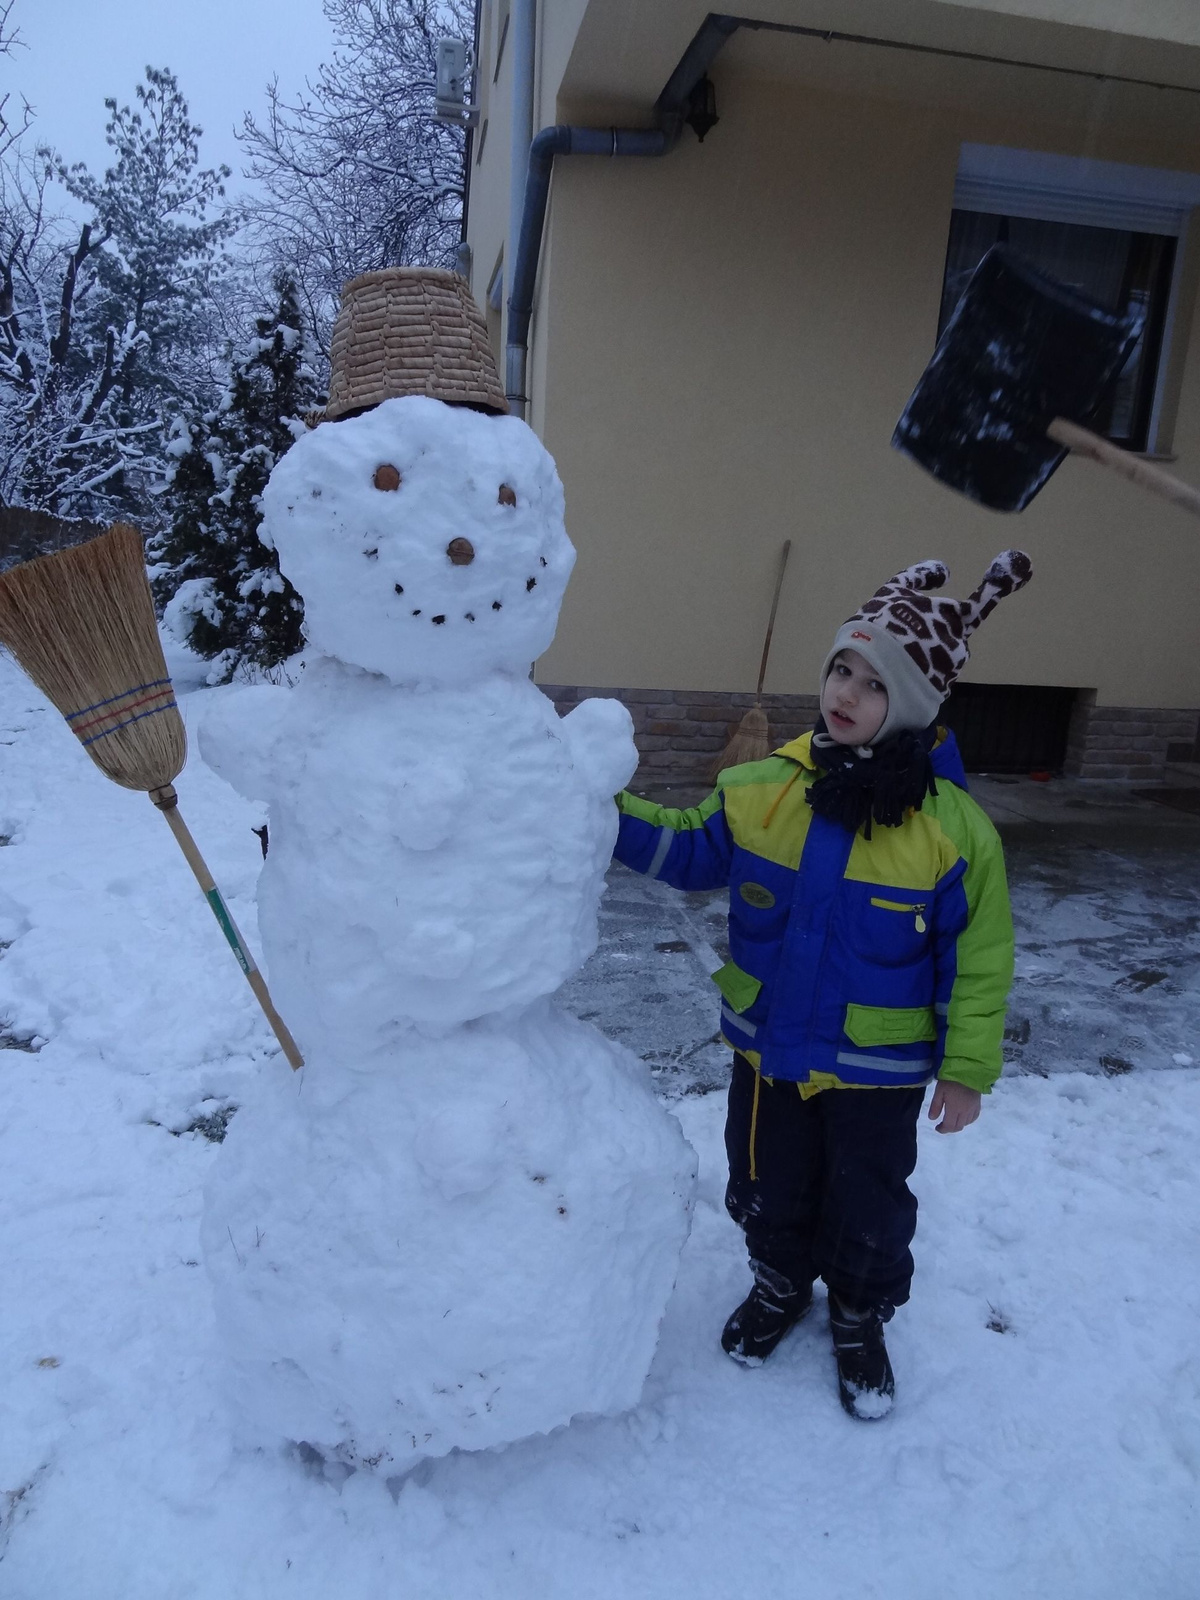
917, 642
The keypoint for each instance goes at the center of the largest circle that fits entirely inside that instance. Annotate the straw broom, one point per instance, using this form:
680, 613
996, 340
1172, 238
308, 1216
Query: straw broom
752, 740
81, 624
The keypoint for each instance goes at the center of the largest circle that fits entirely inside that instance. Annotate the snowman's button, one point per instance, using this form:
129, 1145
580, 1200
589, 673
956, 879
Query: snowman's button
386, 477
461, 552
507, 496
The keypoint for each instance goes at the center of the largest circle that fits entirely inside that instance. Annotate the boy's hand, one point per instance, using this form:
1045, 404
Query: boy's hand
960, 1105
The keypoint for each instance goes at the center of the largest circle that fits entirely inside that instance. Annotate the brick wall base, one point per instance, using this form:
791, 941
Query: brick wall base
681, 733
1127, 742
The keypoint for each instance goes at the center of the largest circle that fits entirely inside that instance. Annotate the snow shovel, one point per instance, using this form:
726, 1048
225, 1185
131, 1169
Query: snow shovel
81, 624
1023, 364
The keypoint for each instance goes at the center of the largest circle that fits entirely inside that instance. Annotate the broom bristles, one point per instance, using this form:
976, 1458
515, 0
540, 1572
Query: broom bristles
81, 624
751, 742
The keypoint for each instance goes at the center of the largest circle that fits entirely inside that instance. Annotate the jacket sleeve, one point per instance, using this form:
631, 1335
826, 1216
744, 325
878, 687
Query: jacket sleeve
688, 849
973, 952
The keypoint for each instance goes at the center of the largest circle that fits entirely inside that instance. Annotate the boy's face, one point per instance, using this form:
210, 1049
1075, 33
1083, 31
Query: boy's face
854, 702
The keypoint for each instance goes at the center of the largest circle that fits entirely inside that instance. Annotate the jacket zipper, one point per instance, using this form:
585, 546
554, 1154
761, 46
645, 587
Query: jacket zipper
895, 905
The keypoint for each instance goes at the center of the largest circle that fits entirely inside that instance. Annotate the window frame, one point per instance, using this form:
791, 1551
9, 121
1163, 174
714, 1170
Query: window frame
1006, 181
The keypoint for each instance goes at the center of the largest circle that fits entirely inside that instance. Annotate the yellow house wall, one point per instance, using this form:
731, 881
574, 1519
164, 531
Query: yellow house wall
1174, 20
732, 333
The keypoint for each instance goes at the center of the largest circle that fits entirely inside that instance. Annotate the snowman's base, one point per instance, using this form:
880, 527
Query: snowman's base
464, 1244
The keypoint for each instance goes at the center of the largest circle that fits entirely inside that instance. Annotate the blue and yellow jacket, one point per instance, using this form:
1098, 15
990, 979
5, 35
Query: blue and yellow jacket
865, 962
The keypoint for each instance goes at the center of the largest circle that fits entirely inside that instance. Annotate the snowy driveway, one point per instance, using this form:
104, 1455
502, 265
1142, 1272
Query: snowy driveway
1046, 1440
1107, 975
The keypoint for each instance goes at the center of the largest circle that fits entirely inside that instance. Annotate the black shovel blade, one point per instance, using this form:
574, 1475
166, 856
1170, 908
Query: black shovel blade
1020, 350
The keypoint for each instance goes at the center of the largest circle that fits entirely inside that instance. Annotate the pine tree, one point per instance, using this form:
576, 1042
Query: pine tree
225, 593
106, 327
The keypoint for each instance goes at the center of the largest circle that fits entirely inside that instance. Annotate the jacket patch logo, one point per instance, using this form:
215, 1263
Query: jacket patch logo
755, 895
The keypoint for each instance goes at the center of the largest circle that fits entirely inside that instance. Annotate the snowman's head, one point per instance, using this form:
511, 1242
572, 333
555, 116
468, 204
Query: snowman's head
427, 540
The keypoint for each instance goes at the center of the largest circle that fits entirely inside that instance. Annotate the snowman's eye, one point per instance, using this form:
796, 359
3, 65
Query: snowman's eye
507, 496
386, 477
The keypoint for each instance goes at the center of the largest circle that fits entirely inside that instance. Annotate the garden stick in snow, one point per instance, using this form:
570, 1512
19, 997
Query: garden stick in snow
81, 624
752, 741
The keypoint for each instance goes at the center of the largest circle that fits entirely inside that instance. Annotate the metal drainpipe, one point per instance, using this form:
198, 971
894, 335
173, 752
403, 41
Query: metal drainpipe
523, 44
551, 142
526, 222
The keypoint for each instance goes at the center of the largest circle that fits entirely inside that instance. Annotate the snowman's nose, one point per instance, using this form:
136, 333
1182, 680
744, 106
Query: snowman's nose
461, 552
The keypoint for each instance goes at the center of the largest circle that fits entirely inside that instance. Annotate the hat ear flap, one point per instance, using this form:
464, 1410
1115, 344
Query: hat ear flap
1009, 572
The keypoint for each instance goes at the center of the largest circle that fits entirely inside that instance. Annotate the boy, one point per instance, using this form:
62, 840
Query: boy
872, 952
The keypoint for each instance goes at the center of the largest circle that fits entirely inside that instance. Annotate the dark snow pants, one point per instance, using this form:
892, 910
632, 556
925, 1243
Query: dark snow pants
819, 1185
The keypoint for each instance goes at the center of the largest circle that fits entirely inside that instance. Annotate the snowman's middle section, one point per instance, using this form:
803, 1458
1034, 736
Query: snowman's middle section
446, 855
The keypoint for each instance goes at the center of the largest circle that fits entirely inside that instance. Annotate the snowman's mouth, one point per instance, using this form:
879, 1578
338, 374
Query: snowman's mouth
440, 619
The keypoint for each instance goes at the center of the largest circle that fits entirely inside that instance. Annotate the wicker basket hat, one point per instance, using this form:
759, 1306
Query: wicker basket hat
411, 330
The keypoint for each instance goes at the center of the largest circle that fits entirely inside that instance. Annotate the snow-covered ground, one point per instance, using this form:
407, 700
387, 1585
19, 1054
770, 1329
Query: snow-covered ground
1046, 1439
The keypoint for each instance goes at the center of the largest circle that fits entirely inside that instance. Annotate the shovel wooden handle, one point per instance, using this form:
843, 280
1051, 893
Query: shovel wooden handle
167, 802
1083, 442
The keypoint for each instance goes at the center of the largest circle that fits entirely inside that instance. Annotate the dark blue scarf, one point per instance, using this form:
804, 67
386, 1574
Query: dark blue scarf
862, 784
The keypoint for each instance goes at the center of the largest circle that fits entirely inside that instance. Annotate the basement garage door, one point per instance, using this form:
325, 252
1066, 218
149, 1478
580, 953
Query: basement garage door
1010, 727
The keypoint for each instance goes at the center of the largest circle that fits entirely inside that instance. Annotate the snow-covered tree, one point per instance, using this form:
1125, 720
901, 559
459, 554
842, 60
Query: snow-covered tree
224, 592
104, 328
153, 206
63, 446
355, 173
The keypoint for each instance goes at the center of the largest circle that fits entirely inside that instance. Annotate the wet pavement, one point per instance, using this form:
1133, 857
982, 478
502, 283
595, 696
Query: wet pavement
1106, 906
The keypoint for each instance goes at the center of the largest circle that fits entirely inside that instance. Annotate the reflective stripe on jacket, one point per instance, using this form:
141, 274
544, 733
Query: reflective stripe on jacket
878, 961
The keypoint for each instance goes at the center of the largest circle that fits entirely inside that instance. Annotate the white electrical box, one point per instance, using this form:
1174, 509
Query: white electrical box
451, 89
451, 70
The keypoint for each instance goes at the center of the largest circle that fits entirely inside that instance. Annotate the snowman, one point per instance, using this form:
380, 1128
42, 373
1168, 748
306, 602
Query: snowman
461, 1224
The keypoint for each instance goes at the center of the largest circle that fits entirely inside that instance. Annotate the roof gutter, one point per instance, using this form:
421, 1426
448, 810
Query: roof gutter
566, 140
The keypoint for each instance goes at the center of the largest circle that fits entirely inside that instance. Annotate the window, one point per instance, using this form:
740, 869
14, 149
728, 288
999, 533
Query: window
1108, 230
1129, 273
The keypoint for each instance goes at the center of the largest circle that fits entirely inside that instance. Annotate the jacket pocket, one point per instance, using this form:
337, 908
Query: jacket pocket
913, 908
883, 1025
738, 987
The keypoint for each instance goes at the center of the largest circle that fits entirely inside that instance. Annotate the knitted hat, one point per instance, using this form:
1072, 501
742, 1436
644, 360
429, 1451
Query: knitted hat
917, 644
411, 330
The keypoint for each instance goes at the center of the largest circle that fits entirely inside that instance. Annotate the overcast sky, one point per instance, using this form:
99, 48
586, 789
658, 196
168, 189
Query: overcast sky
223, 52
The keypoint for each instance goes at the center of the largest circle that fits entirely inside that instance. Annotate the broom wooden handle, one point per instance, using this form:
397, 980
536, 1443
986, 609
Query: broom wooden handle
762, 669
167, 802
1083, 442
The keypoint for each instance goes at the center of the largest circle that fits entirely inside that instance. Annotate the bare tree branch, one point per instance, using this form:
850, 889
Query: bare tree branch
355, 173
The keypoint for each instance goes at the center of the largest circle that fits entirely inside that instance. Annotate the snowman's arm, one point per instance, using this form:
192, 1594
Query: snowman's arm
599, 734
690, 849
240, 735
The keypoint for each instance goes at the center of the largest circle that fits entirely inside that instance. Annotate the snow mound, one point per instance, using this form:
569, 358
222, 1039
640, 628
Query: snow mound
473, 1247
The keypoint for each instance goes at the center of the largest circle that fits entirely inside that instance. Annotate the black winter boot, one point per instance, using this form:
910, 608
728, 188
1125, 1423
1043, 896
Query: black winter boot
772, 1308
866, 1386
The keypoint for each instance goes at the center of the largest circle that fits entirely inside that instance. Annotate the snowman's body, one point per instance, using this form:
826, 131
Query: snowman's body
465, 1229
